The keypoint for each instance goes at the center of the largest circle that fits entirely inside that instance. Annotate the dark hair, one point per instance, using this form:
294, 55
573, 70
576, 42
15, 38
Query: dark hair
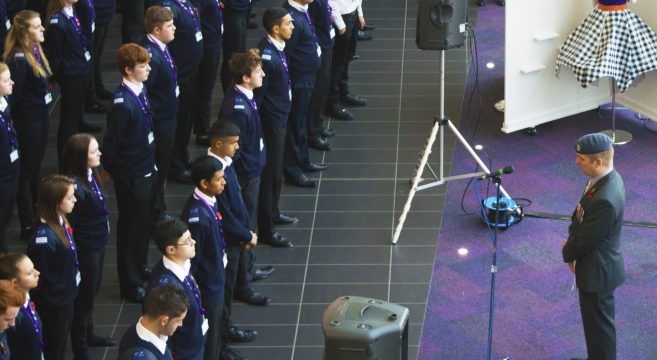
167, 232
223, 127
75, 159
166, 300
52, 191
156, 16
273, 17
130, 55
204, 167
9, 265
10, 296
242, 64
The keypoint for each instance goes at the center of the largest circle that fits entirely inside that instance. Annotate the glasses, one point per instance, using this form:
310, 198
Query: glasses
189, 242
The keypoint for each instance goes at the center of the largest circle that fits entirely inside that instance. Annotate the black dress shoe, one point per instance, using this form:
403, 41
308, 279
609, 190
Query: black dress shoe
241, 335
137, 295
203, 141
184, 177
231, 354
262, 273
95, 108
327, 133
369, 27
319, 143
363, 36
313, 167
339, 112
285, 219
89, 128
355, 57
301, 181
145, 272
278, 240
104, 94
352, 100
251, 296
94, 340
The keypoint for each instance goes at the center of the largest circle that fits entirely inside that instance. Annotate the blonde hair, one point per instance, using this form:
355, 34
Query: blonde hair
17, 41
3, 67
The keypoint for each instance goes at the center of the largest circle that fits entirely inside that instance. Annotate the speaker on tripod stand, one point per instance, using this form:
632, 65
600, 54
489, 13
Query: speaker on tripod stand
441, 24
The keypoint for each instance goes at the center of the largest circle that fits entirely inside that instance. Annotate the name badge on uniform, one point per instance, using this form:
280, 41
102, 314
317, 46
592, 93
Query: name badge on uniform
13, 156
78, 278
290, 92
41, 240
319, 51
225, 260
222, 29
266, 57
150, 137
332, 33
48, 98
177, 90
199, 36
7, 24
87, 55
262, 144
93, 27
205, 326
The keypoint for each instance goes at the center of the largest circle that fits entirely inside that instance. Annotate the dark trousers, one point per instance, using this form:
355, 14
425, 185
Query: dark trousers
163, 150
234, 254
73, 90
599, 325
32, 137
8, 191
56, 325
234, 40
271, 180
250, 193
207, 70
95, 79
213, 341
296, 143
343, 50
91, 272
133, 229
320, 94
188, 85
132, 20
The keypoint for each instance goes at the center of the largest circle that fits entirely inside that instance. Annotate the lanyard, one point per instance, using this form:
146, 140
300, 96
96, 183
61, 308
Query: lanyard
167, 57
145, 108
76, 25
31, 314
96, 188
251, 101
92, 12
312, 27
72, 244
283, 60
189, 11
11, 134
37, 54
221, 13
217, 216
189, 280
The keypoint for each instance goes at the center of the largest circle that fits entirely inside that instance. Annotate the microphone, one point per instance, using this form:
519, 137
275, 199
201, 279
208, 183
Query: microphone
500, 172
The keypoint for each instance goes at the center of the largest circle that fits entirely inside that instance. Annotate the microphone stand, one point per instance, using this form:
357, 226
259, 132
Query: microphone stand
497, 180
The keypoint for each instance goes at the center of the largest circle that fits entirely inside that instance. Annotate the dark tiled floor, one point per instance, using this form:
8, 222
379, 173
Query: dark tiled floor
343, 238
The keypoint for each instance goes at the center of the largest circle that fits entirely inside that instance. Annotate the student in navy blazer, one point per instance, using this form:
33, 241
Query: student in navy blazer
8, 156
26, 336
104, 10
174, 240
165, 308
163, 91
10, 303
235, 28
90, 219
30, 71
5, 25
128, 155
54, 253
68, 51
86, 11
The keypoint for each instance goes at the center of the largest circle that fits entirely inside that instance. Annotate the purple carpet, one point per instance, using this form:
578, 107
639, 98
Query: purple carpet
536, 312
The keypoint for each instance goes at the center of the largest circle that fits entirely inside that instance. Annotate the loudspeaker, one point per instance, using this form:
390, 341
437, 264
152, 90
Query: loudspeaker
441, 24
358, 328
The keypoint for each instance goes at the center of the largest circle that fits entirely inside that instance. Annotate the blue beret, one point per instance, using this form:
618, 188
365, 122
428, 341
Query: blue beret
593, 144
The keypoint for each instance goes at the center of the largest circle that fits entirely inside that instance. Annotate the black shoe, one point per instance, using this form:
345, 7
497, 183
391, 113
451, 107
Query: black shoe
145, 272
104, 94
327, 133
301, 181
252, 25
355, 57
369, 27
319, 143
262, 273
352, 100
313, 167
89, 128
203, 141
137, 295
184, 177
95, 108
26, 233
285, 219
363, 36
339, 112
278, 240
94, 340
238, 335
231, 354
251, 296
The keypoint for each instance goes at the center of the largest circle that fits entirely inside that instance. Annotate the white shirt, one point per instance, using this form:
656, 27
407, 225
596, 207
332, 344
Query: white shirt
68, 11
3, 103
160, 341
296, 5
342, 7
201, 195
225, 162
136, 88
162, 45
280, 46
247, 92
181, 272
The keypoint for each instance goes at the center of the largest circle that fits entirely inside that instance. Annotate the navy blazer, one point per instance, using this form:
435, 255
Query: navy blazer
161, 86
274, 98
23, 338
29, 90
320, 14
90, 218
8, 168
212, 22
185, 48
594, 236
132, 347
301, 50
65, 48
236, 220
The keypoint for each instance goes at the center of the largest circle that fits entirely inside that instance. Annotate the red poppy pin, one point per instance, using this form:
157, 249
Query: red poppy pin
589, 193
219, 216
69, 229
